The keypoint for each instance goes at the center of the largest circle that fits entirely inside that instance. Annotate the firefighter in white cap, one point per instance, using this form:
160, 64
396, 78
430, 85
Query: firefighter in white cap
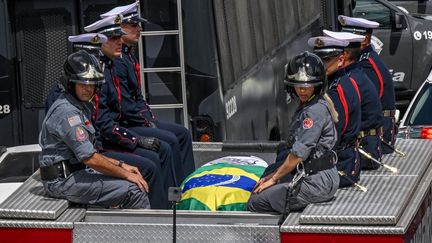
378, 72
371, 111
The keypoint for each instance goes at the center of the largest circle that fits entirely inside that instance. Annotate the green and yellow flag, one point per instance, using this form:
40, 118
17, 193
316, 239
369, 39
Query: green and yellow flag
224, 184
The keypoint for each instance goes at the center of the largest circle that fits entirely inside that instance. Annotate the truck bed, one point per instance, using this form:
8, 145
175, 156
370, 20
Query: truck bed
395, 205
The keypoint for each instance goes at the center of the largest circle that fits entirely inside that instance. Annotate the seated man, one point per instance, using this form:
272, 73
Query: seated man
89, 42
117, 141
135, 113
66, 139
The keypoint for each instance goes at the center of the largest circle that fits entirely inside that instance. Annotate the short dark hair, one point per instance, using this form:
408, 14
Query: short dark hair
353, 54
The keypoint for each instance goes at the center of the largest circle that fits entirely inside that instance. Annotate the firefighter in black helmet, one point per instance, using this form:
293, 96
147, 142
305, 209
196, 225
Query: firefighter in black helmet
309, 153
70, 166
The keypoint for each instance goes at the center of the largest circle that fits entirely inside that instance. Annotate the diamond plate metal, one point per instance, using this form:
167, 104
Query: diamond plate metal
29, 202
96, 232
65, 221
387, 194
415, 167
418, 152
382, 204
291, 225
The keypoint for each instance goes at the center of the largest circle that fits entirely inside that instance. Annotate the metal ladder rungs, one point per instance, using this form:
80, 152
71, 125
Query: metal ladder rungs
180, 70
167, 106
159, 70
158, 33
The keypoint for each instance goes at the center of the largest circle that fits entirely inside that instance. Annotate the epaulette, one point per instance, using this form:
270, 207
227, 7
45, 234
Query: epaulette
364, 56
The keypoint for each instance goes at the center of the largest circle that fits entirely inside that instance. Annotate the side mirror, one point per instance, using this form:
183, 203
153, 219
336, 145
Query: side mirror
399, 21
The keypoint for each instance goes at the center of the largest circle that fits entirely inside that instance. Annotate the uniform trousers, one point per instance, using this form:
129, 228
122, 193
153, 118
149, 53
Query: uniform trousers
349, 163
156, 169
319, 187
390, 131
371, 145
180, 141
88, 186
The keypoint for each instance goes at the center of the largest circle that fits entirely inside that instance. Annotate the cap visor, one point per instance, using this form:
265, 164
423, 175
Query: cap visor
137, 19
116, 32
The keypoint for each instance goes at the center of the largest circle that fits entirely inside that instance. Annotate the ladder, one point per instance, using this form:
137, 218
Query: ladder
178, 33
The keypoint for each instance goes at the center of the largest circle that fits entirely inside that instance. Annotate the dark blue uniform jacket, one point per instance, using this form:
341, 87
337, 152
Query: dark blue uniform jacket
371, 111
344, 93
380, 76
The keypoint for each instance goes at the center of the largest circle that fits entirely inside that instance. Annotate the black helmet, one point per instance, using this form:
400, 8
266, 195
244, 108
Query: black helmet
307, 70
81, 67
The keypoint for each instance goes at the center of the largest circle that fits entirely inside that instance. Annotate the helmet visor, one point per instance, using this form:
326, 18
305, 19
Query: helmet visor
87, 81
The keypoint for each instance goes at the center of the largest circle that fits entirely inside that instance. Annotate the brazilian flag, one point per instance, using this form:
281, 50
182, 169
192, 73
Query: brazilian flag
224, 184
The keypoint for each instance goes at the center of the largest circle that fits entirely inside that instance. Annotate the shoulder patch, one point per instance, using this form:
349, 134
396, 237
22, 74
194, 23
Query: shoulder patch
80, 134
307, 123
74, 120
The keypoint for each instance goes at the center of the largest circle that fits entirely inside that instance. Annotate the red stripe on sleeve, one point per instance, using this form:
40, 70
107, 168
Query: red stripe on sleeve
356, 88
378, 73
344, 104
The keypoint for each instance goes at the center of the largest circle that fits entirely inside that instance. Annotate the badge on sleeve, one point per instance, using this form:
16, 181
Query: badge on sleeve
307, 123
74, 120
80, 134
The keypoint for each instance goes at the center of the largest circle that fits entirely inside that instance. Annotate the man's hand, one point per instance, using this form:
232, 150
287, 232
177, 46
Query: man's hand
150, 143
262, 180
131, 169
262, 185
139, 181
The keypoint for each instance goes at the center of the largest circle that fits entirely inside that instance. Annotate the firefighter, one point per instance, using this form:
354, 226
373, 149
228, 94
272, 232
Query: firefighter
310, 153
136, 113
113, 137
91, 43
378, 72
343, 92
371, 110
66, 139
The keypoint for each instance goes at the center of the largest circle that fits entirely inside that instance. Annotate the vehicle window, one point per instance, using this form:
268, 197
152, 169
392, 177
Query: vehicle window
374, 11
421, 111
17, 167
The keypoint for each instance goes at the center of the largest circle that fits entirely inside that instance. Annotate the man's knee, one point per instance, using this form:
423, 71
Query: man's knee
136, 198
258, 203
150, 170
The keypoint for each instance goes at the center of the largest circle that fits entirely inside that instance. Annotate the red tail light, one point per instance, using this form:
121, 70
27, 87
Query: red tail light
426, 133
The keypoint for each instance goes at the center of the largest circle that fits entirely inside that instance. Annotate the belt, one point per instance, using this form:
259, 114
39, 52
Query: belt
61, 169
345, 145
370, 132
389, 113
325, 162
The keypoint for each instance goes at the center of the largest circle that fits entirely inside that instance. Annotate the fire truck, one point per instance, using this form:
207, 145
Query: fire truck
217, 67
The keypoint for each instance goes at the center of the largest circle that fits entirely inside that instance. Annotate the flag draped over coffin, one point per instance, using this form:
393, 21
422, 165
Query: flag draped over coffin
224, 184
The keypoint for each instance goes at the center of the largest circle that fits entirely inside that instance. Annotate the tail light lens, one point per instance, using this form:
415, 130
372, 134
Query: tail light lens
426, 133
